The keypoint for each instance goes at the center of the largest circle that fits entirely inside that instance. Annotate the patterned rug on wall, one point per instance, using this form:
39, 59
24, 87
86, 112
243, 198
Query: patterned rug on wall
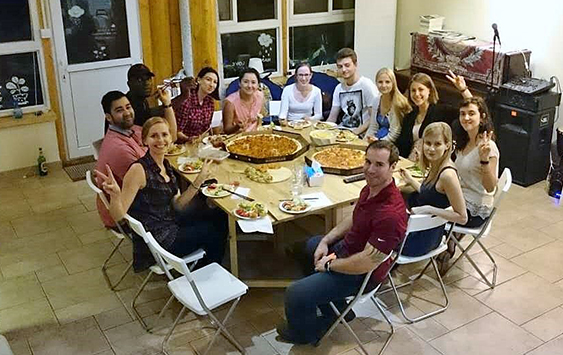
78, 172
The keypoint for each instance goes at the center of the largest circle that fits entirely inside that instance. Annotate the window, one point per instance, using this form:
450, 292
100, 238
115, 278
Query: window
21, 59
318, 29
95, 30
318, 44
250, 29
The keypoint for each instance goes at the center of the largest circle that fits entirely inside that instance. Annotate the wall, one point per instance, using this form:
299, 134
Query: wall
374, 35
19, 145
535, 25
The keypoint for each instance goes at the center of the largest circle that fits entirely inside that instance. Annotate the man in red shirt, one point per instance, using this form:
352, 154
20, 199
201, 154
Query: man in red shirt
122, 144
360, 243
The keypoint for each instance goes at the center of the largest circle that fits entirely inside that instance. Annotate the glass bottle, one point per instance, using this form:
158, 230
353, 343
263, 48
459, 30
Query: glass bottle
41, 164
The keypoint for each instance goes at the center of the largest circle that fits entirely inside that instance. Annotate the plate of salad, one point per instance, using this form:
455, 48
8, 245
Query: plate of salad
295, 206
250, 210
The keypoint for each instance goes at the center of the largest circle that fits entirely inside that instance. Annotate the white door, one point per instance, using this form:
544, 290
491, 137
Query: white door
96, 41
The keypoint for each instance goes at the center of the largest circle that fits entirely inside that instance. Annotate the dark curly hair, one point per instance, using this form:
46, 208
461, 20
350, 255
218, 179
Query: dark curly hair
461, 137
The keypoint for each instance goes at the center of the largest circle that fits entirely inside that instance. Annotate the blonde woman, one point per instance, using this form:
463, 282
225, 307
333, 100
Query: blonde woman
150, 194
439, 190
390, 108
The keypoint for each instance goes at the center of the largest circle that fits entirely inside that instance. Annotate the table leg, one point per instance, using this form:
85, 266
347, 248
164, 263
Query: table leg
330, 216
233, 245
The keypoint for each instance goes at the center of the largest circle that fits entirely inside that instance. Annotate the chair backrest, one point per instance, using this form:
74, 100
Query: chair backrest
274, 107
96, 189
97, 145
217, 120
161, 255
503, 185
421, 222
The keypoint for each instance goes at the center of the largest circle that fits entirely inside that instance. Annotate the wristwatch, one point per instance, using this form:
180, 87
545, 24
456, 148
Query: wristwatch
327, 265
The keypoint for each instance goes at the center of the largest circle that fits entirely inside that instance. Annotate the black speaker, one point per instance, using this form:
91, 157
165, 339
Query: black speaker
524, 141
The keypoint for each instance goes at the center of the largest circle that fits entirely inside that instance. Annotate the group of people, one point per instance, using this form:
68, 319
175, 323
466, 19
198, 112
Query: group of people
459, 162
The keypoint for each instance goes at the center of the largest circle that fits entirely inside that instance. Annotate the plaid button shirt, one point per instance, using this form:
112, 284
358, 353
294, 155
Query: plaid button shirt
192, 118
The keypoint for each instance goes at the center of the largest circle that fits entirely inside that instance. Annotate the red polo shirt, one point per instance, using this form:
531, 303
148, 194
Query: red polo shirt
381, 221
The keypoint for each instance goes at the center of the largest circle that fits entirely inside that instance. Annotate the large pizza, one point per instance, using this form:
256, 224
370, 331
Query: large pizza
340, 158
264, 146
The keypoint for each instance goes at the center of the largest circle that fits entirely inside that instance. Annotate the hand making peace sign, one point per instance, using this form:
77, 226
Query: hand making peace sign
485, 146
109, 184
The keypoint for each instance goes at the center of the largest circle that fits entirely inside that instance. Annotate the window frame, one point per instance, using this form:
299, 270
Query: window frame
34, 45
233, 26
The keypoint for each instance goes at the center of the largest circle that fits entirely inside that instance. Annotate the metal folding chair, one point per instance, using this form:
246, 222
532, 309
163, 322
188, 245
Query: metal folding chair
361, 298
503, 185
200, 291
160, 268
420, 223
120, 234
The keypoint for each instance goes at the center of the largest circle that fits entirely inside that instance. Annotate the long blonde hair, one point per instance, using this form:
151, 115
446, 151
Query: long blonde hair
436, 128
399, 103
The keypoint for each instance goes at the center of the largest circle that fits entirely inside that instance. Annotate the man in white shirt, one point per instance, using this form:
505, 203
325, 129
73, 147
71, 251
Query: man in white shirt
354, 96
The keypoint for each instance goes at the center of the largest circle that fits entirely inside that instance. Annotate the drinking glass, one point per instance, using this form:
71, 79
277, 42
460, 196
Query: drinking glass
297, 180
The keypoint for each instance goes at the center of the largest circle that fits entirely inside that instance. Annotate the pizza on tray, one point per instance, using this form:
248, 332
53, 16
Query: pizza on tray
264, 146
340, 158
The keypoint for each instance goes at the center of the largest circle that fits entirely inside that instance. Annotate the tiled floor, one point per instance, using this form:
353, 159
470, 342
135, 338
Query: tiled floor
54, 300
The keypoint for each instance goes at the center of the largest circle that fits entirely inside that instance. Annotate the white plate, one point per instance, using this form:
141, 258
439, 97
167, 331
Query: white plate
181, 151
248, 218
223, 193
304, 124
294, 212
206, 139
319, 125
182, 169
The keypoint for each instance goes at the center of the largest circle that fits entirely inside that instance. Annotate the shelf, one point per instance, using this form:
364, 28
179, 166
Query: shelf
27, 119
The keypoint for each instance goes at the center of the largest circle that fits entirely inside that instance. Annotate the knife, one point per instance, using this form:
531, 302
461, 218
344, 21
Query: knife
239, 195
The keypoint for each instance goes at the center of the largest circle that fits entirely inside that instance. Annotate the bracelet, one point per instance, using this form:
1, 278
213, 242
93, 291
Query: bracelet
484, 162
463, 89
167, 106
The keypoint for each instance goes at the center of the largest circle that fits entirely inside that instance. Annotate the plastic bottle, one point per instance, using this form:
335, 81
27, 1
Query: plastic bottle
41, 164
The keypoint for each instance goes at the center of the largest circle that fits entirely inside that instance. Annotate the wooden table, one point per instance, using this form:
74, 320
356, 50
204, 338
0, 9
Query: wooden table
229, 170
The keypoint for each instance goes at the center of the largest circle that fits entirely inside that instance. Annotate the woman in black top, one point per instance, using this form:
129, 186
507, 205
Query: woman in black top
423, 97
151, 195
439, 190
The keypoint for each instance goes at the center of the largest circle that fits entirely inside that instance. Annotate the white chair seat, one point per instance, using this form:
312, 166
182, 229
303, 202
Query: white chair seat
190, 258
208, 279
472, 231
415, 259
117, 234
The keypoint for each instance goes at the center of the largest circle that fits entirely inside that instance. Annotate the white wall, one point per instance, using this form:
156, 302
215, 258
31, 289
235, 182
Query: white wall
523, 24
374, 35
19, 146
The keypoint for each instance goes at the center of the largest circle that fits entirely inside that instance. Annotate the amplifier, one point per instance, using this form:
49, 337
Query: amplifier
528, 102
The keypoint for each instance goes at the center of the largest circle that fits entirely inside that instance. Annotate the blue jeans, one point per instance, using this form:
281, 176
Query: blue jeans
303, 297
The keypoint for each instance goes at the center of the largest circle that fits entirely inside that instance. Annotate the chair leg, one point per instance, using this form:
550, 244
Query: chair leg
464, 252
135, 312
221, 328
105, 267
161, 313
341, 319
167, 337
392, 329
427, 315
